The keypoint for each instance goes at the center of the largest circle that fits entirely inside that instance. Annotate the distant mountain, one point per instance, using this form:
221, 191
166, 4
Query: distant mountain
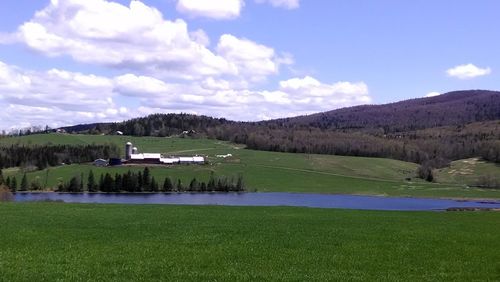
453, 108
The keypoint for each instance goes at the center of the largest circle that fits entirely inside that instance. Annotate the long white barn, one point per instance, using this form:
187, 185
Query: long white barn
133, 157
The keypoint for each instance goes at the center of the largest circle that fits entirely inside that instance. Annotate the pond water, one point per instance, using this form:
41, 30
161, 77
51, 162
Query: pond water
263, 199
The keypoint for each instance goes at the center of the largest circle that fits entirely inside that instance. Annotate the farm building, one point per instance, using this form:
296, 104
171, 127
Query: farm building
133, 156
101, 162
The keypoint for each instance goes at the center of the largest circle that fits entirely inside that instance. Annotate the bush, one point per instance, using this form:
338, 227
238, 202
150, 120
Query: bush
425, 172
5, 194
488, 181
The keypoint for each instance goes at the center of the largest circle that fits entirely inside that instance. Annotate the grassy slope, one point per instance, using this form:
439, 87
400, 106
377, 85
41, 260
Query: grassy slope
263, 171
62, 242
467, 171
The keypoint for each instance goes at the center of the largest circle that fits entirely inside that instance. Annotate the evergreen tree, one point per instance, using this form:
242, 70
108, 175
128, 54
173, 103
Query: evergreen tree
108, 183
2, 181
140, 183
154, 185
73, 185
101, 183
146, 179
118, 183
80, 189
211, 183
24, 183
179, 186
13, 184
7, 182
193, 186
91, 185
240, 186
168, 185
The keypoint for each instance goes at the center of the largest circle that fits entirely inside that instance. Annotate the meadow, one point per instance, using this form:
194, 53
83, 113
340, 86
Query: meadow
262, 171
70, 242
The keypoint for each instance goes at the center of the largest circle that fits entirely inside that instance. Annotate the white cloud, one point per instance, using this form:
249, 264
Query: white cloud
225, 9
287, 4
296, 96
252, 60
137, 38
468, 71
432, 94
216, 9
55, 97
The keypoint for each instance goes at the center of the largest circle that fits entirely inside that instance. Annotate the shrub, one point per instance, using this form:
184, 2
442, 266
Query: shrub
5, 194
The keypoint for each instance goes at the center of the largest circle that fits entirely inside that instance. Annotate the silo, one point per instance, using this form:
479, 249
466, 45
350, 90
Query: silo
128, 151
135, 150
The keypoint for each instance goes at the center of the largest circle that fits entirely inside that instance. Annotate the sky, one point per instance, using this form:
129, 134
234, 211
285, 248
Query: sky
66, 62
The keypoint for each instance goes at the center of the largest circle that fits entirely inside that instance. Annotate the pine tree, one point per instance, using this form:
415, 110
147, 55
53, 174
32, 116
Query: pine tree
179, 186
193, 186
118, 183
7, 182
154, 185
2, 181
80, 188
24, 183
211, 183
168, 185
73, 184
240, 186
146, 179
101, 183
91, 186
108, 183
13, 184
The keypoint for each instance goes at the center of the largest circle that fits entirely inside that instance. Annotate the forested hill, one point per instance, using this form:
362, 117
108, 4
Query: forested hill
454, 108
452, 126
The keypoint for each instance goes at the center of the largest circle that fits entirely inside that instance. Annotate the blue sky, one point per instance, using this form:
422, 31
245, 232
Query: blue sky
96, 60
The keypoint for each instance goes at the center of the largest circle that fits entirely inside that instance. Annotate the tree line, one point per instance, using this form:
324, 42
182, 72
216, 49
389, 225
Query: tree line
43, 156
143, 181
131, 182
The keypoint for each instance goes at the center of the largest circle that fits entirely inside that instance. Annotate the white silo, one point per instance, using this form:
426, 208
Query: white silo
135, 150
128, 151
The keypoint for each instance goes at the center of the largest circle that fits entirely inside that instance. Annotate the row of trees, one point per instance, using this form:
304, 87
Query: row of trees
131, 182
134, 182
43, 156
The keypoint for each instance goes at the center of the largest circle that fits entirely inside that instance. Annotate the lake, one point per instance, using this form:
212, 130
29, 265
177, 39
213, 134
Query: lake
263, 199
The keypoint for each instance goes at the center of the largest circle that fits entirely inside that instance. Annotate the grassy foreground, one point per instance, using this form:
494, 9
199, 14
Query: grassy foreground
68, 242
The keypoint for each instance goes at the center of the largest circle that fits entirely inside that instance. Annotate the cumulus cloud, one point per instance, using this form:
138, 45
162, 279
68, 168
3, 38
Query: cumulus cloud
54, 97
253, 60
216, 9
295, 96
225, 9
57, 97
468, 71
137, 38
287, 4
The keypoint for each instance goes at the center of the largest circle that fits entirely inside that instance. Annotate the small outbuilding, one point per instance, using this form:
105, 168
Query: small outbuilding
101, 162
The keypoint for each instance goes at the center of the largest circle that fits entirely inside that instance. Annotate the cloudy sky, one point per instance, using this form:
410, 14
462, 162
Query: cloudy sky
64, 62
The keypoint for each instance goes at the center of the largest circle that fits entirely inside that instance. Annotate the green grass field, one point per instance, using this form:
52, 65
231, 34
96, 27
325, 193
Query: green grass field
76, 242
262, 171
